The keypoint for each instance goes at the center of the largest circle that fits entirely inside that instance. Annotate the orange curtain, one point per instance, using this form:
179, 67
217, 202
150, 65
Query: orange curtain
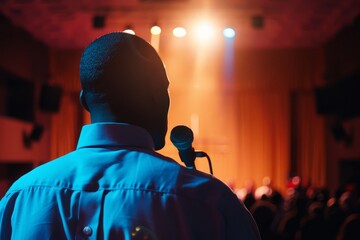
263, 144
65, 124
309, 139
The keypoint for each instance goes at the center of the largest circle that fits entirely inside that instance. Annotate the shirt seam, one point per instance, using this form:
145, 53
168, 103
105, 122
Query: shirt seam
99, 189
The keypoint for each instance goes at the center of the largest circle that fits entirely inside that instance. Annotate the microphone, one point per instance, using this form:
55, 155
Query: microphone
182, 138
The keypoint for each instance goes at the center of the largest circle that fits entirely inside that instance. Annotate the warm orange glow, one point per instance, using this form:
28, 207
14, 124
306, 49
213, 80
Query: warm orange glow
179, 32
242, 125
155, 42
205, 32
155, 30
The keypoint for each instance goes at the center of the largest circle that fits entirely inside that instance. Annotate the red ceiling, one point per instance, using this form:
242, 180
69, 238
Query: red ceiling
287, 23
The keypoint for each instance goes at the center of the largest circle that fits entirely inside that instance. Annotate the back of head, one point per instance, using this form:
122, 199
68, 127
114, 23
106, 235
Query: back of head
124, 80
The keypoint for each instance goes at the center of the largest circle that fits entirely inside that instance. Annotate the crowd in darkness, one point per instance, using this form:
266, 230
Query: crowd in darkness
304, 212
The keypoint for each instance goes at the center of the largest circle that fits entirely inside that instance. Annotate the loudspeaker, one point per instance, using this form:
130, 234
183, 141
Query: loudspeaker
34, 135
19, 98
325, 100
349, 97
36, 132
98, 21
340, 134
341, 99
258, 22
50, 98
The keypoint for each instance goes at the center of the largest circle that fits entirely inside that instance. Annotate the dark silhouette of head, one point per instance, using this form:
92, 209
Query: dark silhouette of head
124, 80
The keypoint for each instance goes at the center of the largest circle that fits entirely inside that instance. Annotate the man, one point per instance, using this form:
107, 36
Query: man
114, 185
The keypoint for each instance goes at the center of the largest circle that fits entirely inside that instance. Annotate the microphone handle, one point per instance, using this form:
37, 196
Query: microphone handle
188, 157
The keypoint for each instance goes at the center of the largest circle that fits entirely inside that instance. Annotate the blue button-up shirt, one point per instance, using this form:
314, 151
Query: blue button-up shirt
115, 186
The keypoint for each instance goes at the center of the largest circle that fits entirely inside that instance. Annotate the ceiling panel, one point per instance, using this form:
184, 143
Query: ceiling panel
287, 23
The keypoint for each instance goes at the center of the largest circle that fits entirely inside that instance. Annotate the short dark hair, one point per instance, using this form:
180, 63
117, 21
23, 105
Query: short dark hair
121, 65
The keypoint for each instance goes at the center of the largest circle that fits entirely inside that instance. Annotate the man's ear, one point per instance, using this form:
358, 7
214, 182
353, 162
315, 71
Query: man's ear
83, 100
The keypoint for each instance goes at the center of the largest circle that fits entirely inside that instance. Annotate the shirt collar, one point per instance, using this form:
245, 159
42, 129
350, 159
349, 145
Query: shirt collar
114, 134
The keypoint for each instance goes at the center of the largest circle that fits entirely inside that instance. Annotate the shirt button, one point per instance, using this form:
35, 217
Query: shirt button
87, 231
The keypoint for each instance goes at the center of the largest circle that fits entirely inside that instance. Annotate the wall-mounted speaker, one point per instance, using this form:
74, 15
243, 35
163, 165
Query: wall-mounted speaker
33, 136
50, 98
17, 97
258, 22
341, 99
325, 100
98, 21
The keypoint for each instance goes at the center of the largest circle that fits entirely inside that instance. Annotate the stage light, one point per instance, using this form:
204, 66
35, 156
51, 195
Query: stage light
205, 32
229, 32
128, 29
179, 32
155, 30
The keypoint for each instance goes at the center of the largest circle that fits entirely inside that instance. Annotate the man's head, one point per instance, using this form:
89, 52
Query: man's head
123, 80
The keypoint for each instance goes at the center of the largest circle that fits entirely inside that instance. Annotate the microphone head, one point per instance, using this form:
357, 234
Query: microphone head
182, 137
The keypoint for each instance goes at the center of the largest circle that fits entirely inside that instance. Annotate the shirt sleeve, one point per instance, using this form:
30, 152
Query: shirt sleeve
6, 210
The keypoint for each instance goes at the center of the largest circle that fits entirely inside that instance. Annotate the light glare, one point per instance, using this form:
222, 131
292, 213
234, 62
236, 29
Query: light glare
229, 32
155, 30
130, 31
205, 32
179, 32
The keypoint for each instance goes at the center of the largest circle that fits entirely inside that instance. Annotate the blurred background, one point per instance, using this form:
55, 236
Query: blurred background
271, 89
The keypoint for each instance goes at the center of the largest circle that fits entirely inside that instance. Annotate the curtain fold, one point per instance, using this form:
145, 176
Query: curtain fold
263, 144
309, 139
66, 123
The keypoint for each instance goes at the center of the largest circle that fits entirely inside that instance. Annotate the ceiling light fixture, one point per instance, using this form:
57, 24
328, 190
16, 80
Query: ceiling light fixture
155, 30
179, 32
229, 32
129, 29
